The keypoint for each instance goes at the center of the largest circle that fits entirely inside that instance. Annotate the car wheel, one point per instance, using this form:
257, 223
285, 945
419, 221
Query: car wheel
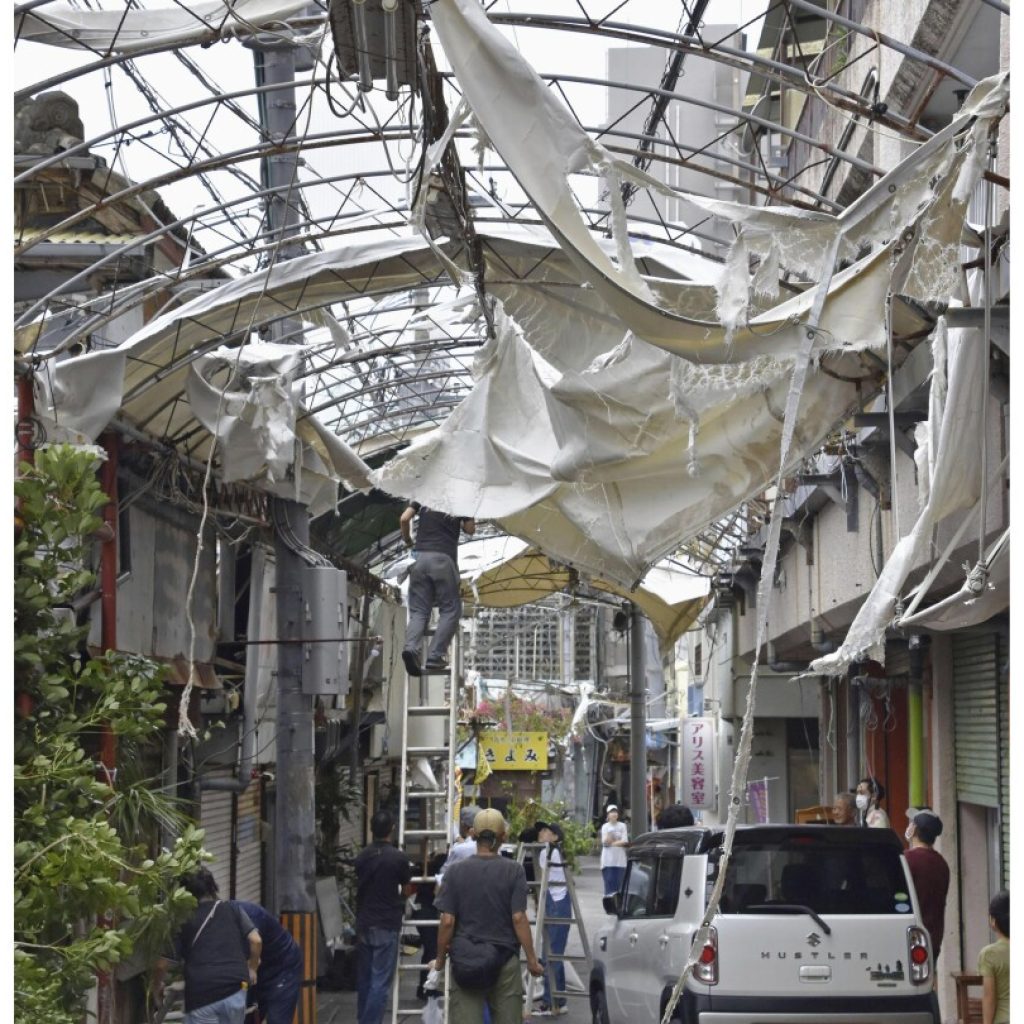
598, 1007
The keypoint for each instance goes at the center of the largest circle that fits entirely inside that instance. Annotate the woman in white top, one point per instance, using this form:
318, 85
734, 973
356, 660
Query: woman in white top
869, 792
614, 840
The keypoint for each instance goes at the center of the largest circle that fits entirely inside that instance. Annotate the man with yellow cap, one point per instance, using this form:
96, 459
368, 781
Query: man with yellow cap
483, 925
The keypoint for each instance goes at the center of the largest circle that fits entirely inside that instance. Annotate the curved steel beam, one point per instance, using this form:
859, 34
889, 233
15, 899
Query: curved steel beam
742, 60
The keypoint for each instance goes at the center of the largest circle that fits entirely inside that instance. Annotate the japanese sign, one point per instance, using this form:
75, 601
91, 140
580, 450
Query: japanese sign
697, 751
515, 751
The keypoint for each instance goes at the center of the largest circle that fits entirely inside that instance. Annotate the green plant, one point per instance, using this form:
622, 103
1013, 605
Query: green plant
89, 884
578, 836
339, 798
527, 716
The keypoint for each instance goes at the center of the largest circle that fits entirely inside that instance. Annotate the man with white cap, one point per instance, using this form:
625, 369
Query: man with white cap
929, 870
614, 840
483, 925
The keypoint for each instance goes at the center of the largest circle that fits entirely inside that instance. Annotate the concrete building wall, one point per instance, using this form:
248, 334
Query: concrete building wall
685, 122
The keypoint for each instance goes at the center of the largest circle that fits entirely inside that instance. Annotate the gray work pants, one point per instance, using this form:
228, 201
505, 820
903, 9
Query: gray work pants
433, 581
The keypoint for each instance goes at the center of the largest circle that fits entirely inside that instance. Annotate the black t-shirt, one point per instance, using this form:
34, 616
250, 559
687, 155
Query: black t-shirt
437, 531
281, 955
381, 871
482, 894
216, 955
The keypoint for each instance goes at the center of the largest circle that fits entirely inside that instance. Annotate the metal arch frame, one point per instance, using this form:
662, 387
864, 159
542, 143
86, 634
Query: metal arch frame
365, 135
319, 141
742, 60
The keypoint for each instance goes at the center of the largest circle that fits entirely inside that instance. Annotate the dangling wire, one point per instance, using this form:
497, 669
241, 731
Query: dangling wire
894, 491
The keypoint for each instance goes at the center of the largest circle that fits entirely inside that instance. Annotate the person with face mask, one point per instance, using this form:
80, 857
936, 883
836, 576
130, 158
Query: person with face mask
869, 792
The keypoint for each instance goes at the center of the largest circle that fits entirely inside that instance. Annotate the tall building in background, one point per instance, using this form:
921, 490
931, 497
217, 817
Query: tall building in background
694, 138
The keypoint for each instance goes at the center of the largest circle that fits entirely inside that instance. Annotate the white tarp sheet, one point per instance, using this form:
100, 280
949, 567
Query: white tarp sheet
543, 144
968, 607
950, 446
128, 30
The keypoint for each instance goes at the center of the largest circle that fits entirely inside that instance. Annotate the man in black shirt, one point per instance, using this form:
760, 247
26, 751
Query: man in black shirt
220, 948
483, 903
433, 581
383, 876
276, 992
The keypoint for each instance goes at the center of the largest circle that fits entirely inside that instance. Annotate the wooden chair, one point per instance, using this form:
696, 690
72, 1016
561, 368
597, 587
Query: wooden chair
968, 1007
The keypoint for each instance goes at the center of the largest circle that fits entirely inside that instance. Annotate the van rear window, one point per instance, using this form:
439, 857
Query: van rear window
828, 878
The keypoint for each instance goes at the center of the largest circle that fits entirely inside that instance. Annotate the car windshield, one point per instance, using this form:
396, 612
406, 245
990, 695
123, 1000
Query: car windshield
824, 877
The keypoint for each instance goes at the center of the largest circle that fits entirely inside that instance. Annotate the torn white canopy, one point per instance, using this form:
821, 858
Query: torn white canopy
590, 464
950, 445
543, 144
126, 31
982, 595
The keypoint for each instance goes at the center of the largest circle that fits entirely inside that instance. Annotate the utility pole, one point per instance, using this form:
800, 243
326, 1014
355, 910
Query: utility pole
295, 823
637, 724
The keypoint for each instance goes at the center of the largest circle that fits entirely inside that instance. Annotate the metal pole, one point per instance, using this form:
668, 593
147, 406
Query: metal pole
294, 838
294, 847
637, 724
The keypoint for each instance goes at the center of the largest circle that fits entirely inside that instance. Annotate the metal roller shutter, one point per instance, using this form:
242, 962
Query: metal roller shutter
981, 710
233, 832
215, 818
248, 846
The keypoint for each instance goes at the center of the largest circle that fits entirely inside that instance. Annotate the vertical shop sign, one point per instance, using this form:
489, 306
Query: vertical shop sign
698, 757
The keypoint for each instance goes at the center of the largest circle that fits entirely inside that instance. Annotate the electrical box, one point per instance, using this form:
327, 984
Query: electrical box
325, 652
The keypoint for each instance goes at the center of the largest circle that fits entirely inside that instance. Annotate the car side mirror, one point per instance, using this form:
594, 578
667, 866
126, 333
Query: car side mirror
612, 904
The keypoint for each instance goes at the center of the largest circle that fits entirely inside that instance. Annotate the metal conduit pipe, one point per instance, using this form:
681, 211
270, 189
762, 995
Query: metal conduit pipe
917, 650
637, 724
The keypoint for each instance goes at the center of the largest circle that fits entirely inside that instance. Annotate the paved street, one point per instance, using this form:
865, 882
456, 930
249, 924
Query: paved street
340, 1007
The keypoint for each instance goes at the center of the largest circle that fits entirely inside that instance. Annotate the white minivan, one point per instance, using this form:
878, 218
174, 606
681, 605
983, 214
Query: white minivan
817, 923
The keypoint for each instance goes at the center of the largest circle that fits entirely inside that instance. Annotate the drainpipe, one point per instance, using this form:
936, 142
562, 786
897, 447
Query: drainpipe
783, 666
918, 645
637, 724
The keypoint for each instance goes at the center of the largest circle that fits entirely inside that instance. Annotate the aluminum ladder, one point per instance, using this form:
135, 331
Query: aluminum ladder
430, 714
540, 937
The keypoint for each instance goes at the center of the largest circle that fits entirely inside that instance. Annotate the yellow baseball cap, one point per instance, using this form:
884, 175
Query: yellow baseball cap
489, 820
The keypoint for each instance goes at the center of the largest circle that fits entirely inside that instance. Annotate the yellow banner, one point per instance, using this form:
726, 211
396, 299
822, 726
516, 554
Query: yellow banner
515, 751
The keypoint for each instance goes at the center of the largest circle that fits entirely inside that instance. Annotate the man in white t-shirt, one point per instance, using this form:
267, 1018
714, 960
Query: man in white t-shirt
614, 840
557, 906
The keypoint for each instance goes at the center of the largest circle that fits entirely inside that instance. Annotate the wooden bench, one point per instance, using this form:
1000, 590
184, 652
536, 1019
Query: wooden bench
968, 1007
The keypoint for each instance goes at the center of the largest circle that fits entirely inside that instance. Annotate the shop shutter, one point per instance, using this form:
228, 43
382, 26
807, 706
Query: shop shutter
215, 819
234, 833
248, 846
981, 711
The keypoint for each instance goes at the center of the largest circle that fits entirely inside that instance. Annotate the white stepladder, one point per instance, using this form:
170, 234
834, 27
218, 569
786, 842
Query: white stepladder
540, 936
430, 713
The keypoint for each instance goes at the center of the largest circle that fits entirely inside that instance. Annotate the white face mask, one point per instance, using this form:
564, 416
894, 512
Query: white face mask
909, 834
862, 801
